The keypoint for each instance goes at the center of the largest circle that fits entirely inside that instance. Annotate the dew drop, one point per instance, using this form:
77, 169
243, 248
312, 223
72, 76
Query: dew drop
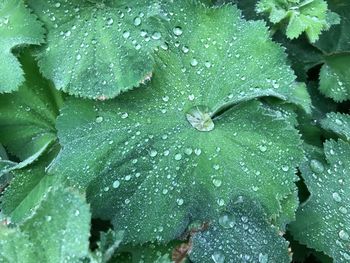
137, 21
218, 257
178, 156
336, 197
220, 202
179, 201
156, 35
110, 21
116, 184
194, 62
285, 168
343, 235
153, 153
125, 115
263, 258
263, 148
177, 31
99, 119
227, 221
126, 34
316, 166
217, 182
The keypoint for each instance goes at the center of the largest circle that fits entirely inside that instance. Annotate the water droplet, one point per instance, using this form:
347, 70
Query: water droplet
125, 115
137, 21
191, 97
343, 210
217, 182
197, 151
216, 167
110, 21
78, 57
188, 151
77, 212
165, 98
285, 168
316, 166
126, 34
48, 218
263, 148
263, 258
185, 49
338, 122
57, 5
177, 31
179, 201
116, 184
153, 153
207, 64
194, 62
199, 118
336, 197
343, 235
220, 202
178, 156
156, 35
227, 221
218, 257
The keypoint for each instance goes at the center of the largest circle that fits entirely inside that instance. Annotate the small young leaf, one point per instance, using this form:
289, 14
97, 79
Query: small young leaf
18, 27
323, 221
240, 234
97, 49
310, 16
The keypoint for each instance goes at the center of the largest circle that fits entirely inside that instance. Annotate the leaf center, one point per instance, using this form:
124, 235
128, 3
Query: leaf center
200, 118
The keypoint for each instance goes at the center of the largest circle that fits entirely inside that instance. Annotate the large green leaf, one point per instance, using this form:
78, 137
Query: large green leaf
157, 158
18, 27
309, 16
56, 231
240, 234
28, 116
323, 221
98, 49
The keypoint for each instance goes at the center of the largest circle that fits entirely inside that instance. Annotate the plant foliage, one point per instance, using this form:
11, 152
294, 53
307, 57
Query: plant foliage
174, 131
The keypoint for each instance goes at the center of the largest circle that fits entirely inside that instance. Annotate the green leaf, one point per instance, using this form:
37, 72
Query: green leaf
338, 123
240, 234
57, 231
97, 49
155, 167
28, 116
309, 16
335, 77
28, 188
18, 27
323, 221
109, 243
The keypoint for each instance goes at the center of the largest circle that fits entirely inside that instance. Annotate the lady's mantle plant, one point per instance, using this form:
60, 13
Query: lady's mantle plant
174, 131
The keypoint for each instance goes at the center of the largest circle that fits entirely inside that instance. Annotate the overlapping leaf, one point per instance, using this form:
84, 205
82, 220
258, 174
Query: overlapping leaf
152, 171
56, 231
98, 49
18, 27
335, 44
27, 117
309, 16
338, 123
240, 234
323, 222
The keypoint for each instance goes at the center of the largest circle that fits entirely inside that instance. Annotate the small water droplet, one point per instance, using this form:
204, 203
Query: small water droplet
227, 221
153, 153
336, 197
178, 156
263, 148
179, 201
156, 35
316, 166
338, 122
99, 119
217, 182
126, 34
137, 21
218, 257
77, 212
263, 258
177, 31
285, 168
343, 235
110, 21
116, 184
125, 115
194, 62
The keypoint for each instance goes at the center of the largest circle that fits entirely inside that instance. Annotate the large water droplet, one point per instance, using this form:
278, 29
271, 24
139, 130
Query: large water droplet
336, 197
218, 257
116, 184
199, 118
343, 235
137, 21
177, 31
227, 221
316, 166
